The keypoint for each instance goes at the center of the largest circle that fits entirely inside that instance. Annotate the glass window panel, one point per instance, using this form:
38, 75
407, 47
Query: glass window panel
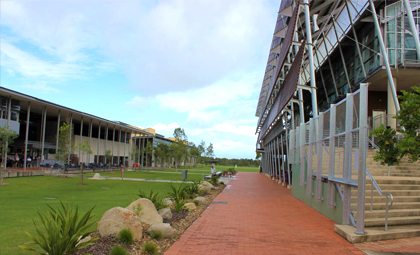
409, 41
359, 4
410, 55
353, 12
344, 21
331, 37
391, 40
391, 55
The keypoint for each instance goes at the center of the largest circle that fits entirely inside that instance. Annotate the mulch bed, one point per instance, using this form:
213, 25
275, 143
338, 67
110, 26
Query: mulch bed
180, 222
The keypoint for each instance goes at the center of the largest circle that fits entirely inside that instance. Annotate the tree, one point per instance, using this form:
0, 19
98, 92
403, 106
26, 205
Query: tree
258, 156
194, 151
161, 153
134, 153
109, 156
84, 147
64, 143
202, 149
391, 149
210, 151
180, 146
149, 149
7, 136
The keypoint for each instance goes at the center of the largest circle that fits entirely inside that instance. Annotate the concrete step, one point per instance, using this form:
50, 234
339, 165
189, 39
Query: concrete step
394, 193
382, 199
382, 206
392, 213
391, 187
392, 221
394, 180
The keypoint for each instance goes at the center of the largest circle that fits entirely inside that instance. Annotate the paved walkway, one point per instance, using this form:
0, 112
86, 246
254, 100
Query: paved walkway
260, 217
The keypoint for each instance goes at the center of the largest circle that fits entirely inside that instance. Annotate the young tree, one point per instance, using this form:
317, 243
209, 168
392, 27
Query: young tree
258, 156
64, 144
149, 150
134, 153
109, 156
202, 149
7, 136
210, 151
194, 152
84, 148
161, 153
391, 150
180, 146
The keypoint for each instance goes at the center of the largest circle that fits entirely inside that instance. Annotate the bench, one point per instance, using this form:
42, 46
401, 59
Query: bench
209, 176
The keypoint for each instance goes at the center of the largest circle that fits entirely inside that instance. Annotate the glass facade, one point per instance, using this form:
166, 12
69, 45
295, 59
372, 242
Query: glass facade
399, 38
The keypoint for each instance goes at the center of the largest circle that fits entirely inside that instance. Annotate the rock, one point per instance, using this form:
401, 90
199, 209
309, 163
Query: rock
206, 183
118, 218
97, 176
206, 186
168, 201
190, 206
165, 213
202, 200
165, 228
146, 211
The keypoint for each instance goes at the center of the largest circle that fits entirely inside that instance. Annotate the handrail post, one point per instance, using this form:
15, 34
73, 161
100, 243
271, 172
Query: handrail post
386, 214
371, 196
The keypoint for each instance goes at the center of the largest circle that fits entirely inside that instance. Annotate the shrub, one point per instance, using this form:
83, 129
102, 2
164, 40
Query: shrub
214, 180
64, 228
202, 192
150, 248
125, 236
177, 193
118, 250
196, 202
157, 200
178, 205
222, 183
156, 235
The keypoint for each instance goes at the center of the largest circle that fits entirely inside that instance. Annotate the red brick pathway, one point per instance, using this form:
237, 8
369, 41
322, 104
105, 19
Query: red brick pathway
261, 217
407, 245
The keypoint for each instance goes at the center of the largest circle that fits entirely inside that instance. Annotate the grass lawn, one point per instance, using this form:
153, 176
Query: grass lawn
24, 196
206, 169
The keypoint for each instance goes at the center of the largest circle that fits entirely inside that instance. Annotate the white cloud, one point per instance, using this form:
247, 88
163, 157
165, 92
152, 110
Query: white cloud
240, 130
140, 103
166, 130
41, 87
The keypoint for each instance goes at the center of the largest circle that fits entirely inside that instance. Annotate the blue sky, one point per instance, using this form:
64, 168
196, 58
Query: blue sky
195, 64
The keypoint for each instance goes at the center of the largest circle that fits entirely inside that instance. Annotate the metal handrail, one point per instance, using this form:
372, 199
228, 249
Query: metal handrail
381, 193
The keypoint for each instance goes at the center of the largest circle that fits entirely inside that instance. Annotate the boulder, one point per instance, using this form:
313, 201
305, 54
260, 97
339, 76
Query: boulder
206, 183
206, 186
146, 211
190, 206
165, 213
97, 176
165, 228
118, 218
168, 201
202, 200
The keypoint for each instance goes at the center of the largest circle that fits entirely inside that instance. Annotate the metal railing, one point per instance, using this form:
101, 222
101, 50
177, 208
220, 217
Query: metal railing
381, 193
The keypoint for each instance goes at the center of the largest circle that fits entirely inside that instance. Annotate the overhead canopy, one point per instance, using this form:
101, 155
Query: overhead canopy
286, 91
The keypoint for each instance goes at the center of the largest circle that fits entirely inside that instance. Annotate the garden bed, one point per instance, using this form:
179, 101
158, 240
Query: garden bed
180, 222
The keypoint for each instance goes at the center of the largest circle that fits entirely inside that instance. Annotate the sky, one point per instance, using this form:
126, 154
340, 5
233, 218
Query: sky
194, 64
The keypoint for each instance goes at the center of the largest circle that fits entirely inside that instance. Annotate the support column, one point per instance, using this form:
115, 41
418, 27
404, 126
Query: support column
58, 132
125, 138
142, 153
43, 135
71, 133
9, 102
90, 138
26, 137
385, 56
391, 110
287, 159
81, 139
311, 58
99, 143
119, 147
282, 160
113, 141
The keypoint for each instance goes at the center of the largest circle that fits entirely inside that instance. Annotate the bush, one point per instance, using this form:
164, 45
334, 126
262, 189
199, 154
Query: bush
64, 228
156, 235
125, 236
177, 193
196, 202
214, 180
178, 205
202, 192
118, 250
222, 183
157, 200
150, 248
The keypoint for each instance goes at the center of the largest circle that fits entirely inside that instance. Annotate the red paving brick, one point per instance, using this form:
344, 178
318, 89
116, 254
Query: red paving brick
407, 245
261, 217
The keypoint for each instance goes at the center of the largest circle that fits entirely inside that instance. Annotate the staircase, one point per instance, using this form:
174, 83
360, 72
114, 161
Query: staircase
404, 185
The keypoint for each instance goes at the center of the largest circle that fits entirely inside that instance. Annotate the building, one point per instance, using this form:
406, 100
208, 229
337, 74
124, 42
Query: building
334, 71
37, 122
